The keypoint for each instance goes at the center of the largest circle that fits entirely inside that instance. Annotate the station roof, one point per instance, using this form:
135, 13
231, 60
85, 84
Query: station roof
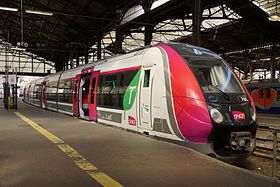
228, 25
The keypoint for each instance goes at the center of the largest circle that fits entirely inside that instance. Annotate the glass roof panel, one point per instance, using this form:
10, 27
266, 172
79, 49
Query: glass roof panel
269, 6
21, 61
174, 29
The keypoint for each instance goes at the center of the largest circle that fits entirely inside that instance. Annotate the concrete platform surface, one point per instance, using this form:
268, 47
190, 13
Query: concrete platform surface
29, 159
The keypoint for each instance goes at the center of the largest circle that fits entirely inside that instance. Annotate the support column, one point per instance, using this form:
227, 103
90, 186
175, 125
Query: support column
272, 62
71, 63
60, 63
86, 56
66, 65
32, 64
148, 27
119, 34
196, 20
44, 67
119, 40
99, 48
77, 59
148, 34
19, 56
251, 69
246, 63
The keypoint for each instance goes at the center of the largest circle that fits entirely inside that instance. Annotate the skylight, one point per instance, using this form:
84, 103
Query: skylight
22, 61
174, 29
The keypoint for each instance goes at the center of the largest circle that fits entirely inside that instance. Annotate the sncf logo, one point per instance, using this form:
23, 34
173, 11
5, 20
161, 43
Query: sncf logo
237, 115
131, 121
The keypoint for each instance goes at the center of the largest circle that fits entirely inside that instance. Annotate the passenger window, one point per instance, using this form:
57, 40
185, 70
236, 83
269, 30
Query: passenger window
92, 91
111, 89
147, 79
261, 93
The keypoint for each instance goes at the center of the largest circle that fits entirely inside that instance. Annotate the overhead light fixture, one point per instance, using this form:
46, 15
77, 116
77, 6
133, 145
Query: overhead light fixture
8, 9
274, 17
18, 49
39, 12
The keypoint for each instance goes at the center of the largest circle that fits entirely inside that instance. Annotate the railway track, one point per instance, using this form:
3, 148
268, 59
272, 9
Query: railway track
264, 148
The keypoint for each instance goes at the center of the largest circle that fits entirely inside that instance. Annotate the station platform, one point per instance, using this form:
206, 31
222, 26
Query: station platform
47, 149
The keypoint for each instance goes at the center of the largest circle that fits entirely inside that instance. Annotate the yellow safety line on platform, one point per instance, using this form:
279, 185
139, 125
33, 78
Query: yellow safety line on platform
79, 160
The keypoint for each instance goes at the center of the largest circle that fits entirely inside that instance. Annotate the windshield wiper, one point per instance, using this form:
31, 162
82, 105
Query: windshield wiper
226, 96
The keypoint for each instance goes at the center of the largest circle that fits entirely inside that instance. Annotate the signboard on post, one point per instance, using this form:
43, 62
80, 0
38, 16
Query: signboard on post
12, 79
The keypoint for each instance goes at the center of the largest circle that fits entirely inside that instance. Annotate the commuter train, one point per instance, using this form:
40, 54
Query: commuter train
266, 95
178, 92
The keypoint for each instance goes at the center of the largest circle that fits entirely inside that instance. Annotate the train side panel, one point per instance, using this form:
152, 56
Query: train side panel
51, 91
156, 114
118, 91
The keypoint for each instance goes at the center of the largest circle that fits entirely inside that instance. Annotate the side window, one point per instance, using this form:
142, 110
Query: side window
67, 91
278, 95
111, 89
261, 93
146, 78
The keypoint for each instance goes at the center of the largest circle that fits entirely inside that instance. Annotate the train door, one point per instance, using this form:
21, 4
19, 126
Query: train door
39, 93
44, 98
92, 96
84, 95
145, 98
29, 94
75, 95
24, 94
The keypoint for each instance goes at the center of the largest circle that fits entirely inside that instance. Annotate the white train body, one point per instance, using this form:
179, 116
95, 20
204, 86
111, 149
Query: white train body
154, 91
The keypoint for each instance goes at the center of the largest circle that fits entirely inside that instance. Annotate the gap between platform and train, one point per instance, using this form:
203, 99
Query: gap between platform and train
76, 157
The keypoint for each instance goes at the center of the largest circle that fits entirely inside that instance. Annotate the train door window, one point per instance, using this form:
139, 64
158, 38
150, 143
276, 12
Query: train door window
261, 93
267, 93
92, 91
86, 87
147, 78
278, 95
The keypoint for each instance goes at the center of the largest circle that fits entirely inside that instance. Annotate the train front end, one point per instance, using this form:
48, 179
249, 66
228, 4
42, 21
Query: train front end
211, 105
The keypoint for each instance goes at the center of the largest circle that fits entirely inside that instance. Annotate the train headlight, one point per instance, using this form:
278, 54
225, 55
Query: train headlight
216, 115
253, 114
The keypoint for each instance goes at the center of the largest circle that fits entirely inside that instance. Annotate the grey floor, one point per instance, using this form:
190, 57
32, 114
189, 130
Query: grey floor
28, 159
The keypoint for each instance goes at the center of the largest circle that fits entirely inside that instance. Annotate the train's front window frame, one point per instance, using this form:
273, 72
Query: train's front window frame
198, 59
214, 75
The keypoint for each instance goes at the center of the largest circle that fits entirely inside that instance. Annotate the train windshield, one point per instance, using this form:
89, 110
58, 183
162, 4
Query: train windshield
212, 73
215, 76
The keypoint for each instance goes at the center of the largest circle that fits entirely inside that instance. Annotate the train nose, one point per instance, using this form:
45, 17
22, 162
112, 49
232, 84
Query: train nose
240, 141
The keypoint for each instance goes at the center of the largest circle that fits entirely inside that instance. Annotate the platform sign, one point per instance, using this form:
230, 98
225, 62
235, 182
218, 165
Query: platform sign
12, 79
